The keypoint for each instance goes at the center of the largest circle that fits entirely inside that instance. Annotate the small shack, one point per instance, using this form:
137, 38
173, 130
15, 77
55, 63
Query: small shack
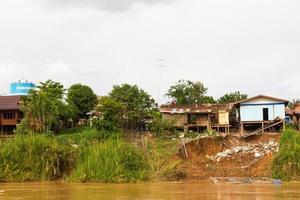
261, 112
198, 117
10, 114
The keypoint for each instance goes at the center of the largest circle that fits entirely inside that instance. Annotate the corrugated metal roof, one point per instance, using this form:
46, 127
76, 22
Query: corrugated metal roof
194, 108
10, 102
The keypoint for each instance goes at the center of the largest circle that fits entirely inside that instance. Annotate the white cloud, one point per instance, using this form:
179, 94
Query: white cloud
250, 46
108, 5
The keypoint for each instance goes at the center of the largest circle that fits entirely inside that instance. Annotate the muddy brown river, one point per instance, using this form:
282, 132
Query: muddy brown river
153, 191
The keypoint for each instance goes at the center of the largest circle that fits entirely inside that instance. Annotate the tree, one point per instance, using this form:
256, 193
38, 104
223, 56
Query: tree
137, 104
189, 92
83, 98
41, 107
232, 97
111, 114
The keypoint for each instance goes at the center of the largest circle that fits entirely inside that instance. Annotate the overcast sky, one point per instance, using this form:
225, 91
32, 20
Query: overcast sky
250, 46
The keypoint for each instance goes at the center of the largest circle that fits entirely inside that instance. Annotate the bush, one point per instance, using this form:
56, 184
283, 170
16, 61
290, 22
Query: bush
112, 161
286, 164
161, 125
34, 158
85, 136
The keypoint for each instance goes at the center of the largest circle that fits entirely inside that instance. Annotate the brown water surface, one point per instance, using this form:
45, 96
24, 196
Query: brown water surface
152, 191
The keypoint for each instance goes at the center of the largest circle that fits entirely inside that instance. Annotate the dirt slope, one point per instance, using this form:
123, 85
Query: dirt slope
200, 165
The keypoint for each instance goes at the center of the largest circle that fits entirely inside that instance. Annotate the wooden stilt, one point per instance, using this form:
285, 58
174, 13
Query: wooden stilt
241, 128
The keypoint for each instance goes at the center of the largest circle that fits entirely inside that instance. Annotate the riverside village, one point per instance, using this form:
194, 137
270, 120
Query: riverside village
51, 133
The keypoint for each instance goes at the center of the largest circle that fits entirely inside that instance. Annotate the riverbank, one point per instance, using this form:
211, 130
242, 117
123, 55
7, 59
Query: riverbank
231, 156
87, 155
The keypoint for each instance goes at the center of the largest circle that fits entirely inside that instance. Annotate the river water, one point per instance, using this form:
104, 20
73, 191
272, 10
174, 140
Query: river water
153, 191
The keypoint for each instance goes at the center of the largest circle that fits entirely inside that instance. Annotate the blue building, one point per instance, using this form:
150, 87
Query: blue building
21, 87
262, 110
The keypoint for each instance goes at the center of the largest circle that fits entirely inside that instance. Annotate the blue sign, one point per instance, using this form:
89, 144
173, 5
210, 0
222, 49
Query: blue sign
21, 88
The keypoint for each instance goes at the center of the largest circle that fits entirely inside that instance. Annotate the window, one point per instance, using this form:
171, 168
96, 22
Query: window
9, 115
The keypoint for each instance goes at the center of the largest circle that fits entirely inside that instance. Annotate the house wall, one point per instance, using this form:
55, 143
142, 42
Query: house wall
180, 119
202, 119
223, 118
253, 111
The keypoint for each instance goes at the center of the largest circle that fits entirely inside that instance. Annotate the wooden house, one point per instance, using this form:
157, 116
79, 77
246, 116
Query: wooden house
10, 114
198, 116
263, 111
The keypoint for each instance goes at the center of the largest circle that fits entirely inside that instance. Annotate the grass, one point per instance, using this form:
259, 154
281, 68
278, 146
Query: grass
164, 165
84, 136
286, 164
113, 161
34, 158
88, 155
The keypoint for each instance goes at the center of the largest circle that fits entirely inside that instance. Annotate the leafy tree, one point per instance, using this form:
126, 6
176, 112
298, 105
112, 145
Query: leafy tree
137, 104
82, 98
111, 114
41, 107
189, 92
232, 97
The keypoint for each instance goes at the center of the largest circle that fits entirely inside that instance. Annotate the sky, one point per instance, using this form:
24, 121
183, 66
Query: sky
233, 45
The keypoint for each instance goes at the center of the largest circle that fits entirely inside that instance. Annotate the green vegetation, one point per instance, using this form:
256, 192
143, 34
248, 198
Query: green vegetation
111, 161
232, 97
45, 109
286, 165
34, 158
164, 165
88, 155
112, 113
82, 98
137, 105
161, 127
189, 92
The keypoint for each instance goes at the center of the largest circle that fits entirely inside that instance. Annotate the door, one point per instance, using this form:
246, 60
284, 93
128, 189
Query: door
266, 114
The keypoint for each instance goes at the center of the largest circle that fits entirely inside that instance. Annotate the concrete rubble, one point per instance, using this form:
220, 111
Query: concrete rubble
258, 150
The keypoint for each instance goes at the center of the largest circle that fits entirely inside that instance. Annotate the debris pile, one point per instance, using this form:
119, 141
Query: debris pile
259, 150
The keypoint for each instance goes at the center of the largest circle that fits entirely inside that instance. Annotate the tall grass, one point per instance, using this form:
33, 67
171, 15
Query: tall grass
113, 161
286, 165
164, 165
88, 155
34, 158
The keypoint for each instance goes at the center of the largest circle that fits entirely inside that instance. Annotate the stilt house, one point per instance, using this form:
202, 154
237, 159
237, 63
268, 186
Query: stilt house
261, 112
198, 117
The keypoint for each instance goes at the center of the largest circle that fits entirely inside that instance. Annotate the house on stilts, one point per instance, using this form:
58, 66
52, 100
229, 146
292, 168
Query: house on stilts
260, 114
198, 117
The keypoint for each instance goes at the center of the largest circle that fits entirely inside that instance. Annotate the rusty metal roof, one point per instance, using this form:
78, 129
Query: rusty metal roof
10, 102
194, 108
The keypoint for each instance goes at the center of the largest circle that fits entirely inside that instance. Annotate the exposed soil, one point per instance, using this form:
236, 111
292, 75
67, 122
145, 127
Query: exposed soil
198, 165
